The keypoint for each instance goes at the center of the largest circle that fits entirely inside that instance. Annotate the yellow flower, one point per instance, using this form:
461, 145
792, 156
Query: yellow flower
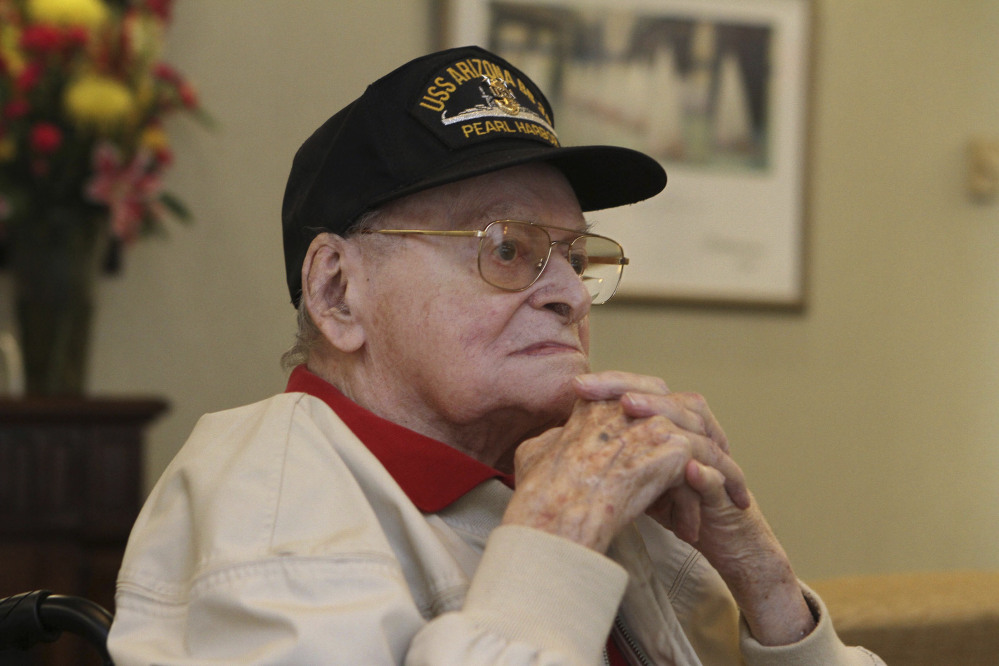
100, 102
145, 93
145, 37
155, 139
8, 149
88, 13
9, 49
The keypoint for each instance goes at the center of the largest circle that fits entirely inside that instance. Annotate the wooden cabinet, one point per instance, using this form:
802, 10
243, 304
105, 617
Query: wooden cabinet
70, 489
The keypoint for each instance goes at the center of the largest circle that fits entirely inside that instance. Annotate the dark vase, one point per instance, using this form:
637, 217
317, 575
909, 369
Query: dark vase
54, 259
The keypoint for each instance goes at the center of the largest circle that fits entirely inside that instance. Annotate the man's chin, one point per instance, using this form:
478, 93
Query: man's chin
557, 372
556, 410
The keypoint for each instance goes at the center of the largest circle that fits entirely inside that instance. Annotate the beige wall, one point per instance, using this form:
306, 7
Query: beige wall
867, 425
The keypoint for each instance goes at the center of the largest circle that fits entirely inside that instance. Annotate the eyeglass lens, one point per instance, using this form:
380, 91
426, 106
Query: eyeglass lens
513, 254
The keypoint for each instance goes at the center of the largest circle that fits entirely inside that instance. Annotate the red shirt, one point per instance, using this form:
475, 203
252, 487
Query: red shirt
431, 473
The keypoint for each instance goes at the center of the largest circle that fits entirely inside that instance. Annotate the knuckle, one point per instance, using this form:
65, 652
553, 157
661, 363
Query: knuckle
660, 425
677, 440
699, 422
527, 449
659, 384
696, 400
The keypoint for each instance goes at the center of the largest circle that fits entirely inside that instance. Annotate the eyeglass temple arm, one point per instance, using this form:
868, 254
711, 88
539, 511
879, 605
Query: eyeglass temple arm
427, 232
623, 261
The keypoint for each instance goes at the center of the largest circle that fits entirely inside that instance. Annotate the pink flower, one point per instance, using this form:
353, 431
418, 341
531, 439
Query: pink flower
45, 138
130, 190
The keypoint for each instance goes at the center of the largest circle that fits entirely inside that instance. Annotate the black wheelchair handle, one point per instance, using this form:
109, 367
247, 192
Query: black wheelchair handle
40, 617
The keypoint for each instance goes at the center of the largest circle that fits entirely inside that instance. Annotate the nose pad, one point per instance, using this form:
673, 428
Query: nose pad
564, 253
558, 259
562, 290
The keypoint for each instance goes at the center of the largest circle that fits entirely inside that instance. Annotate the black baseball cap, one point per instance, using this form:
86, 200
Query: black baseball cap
438, 119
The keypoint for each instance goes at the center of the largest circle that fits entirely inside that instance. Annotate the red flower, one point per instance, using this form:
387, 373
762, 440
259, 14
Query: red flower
164, 157
188, 96
165, 72
42, 38
29, 77
75, 37
16, 108
161, 8
45, 138
41, 168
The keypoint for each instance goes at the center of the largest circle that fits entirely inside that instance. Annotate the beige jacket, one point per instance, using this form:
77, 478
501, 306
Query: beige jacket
276, 537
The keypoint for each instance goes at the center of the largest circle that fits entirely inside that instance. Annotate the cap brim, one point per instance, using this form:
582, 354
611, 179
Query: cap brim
601, 176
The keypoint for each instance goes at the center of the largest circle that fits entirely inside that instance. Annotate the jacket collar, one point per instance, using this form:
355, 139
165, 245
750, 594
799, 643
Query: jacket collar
432, 474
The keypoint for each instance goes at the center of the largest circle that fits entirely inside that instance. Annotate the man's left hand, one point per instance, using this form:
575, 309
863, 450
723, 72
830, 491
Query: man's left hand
714, 511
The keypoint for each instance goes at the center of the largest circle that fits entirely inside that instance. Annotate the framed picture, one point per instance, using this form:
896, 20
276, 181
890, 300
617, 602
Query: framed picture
714, 89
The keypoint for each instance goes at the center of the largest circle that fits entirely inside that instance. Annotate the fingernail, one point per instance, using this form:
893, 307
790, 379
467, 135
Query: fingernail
636, 399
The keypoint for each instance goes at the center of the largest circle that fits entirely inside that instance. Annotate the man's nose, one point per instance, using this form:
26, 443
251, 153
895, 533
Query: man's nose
560, 288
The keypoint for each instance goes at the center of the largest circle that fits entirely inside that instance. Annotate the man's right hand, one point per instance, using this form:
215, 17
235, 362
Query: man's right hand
586, 480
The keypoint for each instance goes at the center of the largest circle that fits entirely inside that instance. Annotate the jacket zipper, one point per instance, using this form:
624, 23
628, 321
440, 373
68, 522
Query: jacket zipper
630, 641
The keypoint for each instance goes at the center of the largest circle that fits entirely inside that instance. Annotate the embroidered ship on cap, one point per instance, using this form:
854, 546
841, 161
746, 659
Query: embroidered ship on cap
474, 100
500, 102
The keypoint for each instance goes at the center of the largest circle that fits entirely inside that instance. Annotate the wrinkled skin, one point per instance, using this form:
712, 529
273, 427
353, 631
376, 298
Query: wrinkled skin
411, 332
632, 447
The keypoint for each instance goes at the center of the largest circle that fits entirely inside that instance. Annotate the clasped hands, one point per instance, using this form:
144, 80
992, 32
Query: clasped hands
629, 447
632, 446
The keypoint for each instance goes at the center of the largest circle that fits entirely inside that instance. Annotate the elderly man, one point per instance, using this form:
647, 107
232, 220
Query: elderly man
445, 481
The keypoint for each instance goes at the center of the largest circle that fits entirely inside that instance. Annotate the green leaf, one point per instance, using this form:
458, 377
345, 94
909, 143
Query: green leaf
204, 118
176, 207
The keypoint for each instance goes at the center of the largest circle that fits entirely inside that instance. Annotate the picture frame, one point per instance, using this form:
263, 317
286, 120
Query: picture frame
717, 90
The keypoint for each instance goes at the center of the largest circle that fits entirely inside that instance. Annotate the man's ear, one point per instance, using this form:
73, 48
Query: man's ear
330, 281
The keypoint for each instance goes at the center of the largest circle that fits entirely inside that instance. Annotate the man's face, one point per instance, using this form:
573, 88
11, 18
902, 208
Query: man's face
454, 350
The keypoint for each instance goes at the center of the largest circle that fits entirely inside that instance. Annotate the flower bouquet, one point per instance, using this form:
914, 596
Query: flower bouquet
83, 98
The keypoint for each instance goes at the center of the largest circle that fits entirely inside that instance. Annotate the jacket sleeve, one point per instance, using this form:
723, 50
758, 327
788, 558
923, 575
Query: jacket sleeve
259, 546
711, 620
294, 610
821, 646
535, 599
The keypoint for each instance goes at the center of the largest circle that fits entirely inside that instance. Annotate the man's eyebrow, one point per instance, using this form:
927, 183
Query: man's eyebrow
507, 210
497, 211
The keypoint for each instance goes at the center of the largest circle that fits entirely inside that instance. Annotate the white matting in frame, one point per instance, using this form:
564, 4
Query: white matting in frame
714, 89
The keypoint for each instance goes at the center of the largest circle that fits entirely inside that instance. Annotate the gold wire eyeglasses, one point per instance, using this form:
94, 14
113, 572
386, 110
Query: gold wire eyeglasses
513, 255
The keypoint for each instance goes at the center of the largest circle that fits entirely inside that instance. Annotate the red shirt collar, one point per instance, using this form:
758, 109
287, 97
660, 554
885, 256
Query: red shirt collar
431, 473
